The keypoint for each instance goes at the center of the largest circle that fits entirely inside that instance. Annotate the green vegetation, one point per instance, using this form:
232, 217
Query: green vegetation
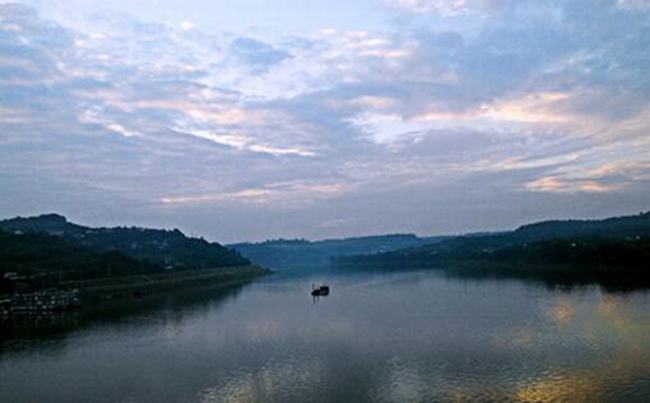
49, 251
614, 251
52, 259
160, 248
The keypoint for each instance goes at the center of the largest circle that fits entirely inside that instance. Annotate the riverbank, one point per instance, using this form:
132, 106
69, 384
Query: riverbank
45, 324
117, 298
137, 286
72, 295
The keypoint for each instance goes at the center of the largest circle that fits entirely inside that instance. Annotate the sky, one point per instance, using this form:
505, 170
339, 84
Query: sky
252, 119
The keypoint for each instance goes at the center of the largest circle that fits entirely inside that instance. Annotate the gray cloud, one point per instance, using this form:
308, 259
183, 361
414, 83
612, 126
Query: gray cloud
258, 55
538, 109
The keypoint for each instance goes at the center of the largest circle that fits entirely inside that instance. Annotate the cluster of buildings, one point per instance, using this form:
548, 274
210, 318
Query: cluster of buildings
23, 302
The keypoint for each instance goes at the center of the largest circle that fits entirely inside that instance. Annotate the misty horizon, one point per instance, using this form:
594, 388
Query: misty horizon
314, 240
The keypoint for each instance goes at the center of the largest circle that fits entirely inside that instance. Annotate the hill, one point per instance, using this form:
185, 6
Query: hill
610, 250
164, 249
314, 255
106, 265
37, 254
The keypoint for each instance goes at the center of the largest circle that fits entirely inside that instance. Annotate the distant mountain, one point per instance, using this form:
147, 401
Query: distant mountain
305, 255
164, 249
618, 246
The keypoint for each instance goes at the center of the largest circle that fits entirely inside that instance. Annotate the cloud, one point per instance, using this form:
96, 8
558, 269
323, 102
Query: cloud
258, 55
540, 102
286, 192
551, 184
634, 4
447, 7
244, 142
187, 25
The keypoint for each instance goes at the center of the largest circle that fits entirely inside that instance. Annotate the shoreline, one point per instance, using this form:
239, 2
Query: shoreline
138, 286
108, 291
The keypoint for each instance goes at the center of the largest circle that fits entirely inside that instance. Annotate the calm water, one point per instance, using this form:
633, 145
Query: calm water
407, 337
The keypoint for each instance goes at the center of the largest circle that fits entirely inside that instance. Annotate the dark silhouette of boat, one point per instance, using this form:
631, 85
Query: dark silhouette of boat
320, 291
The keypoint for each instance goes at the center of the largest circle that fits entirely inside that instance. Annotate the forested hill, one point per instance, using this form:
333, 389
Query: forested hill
162, 249
615, 227
37, 253
627, 227
585, 249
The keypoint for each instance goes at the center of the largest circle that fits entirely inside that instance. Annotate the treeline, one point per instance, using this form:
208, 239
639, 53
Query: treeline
611, 251
51, 244
37, 260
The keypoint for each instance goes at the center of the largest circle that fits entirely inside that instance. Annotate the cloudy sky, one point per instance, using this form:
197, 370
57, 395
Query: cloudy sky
249, 119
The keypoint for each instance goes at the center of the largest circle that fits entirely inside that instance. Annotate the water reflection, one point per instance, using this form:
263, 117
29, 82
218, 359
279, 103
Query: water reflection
614, 329
168, 311
385, 338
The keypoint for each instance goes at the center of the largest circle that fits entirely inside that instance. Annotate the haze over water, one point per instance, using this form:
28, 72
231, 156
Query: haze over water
405, 337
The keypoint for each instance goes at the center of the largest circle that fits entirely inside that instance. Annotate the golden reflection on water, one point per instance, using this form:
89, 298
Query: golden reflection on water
561, 387
613, 330
615, 323
563, 312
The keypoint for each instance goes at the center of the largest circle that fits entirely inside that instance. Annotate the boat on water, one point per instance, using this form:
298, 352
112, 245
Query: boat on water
320, 291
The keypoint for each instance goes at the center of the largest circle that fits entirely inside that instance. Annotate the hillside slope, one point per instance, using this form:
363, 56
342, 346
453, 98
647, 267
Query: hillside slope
168, 249
611, 250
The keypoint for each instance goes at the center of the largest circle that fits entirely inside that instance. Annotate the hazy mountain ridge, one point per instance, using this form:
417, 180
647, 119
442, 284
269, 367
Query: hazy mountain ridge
301, 253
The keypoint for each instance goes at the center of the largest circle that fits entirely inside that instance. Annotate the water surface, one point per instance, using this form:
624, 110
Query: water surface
415, 336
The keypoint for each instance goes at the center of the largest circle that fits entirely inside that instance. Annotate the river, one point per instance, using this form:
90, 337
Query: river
417, 336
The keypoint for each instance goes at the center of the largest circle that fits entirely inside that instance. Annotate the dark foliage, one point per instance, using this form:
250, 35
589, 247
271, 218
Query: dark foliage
610, 251
50, 258
164, 249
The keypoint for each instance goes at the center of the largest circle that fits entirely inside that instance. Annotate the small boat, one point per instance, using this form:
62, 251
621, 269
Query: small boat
320, 291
